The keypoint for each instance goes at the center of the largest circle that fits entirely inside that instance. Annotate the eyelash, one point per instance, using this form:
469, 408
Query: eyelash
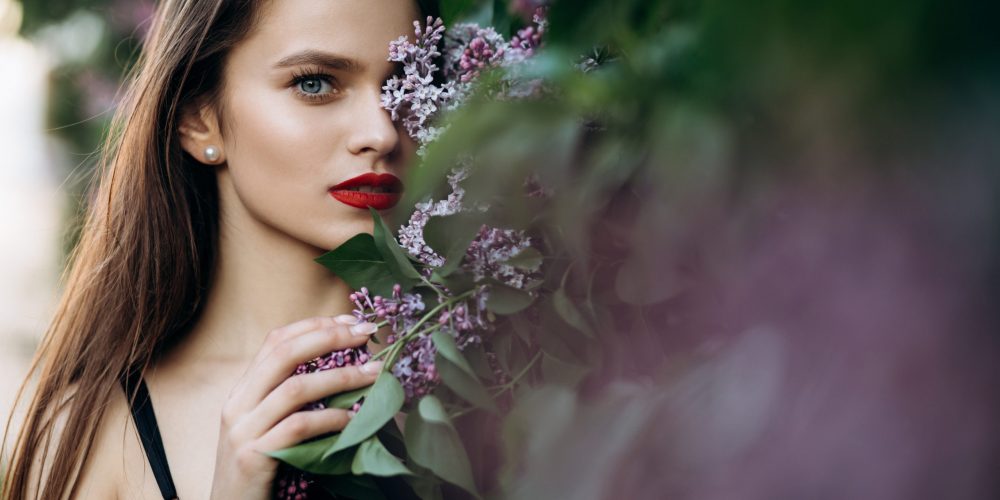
305, 75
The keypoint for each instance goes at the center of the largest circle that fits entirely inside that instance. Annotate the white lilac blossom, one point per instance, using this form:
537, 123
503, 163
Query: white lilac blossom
415, 98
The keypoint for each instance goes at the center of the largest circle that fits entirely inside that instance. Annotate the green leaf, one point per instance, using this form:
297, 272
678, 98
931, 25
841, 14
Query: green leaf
345, 400
453, 10
476, 356
356, 487
427, 487
312, 457
445, 345
434, 444
467, 387
457, 283
507, 300
372, 458
358, 262
502, 21
458, 375
556, 371
395, 257
450, 236
381, 404
521, 327
570, 313
529, 258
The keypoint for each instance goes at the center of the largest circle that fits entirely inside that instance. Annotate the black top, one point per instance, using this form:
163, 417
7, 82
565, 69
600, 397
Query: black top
149, 432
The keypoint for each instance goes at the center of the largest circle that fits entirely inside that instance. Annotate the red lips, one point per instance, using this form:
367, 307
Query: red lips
359, 199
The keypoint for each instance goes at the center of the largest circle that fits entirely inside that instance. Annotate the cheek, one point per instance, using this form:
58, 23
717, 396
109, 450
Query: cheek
279, 148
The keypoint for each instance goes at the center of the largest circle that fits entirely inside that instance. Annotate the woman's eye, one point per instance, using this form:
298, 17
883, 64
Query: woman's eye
312, 85
315, 86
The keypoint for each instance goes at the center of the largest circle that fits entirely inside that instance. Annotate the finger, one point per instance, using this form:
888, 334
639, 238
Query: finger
291, 330
261, 378
301, 426
299, 390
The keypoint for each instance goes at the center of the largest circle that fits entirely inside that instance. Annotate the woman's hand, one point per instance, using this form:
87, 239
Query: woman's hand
261, 414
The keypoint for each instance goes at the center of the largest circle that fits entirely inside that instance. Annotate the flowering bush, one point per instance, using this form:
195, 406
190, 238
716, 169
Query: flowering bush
741, 266
439, 303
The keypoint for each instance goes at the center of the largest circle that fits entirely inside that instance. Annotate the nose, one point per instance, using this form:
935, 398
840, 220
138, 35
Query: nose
372, 130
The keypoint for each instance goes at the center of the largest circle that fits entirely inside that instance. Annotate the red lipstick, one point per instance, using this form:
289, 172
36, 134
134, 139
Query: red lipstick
379, 191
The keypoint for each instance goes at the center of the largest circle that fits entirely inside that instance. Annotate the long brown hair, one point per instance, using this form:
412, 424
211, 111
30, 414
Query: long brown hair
138, 277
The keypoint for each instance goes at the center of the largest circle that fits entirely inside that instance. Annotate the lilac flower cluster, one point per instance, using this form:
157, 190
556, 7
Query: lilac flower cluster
469, 49
401, 311
416, 99
415, 369
489, 252
414, 366
411, 235
291, 483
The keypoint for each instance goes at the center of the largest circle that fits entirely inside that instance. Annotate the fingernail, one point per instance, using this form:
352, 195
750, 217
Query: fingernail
371, 367
346, 319
363, 329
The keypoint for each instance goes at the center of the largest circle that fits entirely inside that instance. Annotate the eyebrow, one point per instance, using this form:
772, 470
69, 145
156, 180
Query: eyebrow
320, 58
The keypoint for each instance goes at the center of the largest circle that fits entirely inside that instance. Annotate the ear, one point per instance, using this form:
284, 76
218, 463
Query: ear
199, 133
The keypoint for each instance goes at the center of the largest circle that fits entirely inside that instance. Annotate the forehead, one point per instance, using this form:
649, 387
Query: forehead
360, 29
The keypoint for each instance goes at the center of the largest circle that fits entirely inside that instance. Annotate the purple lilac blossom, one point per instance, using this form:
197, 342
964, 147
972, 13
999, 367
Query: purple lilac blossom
291, 483
470, 48
491, 249
415, 368
415, 99
528, 8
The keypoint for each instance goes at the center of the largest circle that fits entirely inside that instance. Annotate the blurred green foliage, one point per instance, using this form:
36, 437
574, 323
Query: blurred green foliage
83, 85
665, 161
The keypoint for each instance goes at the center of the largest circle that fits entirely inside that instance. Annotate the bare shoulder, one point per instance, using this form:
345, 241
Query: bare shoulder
100, 473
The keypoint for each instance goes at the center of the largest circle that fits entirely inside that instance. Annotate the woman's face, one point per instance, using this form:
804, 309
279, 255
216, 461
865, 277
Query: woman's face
301, 114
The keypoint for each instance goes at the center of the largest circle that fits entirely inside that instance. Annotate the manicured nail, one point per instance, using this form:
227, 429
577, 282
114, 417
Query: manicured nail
346, 319
364, 329
371, 367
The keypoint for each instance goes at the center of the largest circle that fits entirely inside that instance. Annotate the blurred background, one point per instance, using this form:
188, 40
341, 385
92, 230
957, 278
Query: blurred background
60, 64
792, 207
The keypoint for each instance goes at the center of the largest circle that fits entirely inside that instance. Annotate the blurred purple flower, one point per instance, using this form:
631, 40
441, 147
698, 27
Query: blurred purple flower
489, 252
132, 16
99, 91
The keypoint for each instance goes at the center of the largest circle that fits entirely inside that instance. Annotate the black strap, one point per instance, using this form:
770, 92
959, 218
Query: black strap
149, 433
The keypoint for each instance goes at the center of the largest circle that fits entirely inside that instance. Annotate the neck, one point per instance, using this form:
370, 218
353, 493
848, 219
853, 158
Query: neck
263, 280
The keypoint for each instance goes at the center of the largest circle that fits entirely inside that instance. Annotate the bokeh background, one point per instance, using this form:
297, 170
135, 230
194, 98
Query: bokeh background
60, 64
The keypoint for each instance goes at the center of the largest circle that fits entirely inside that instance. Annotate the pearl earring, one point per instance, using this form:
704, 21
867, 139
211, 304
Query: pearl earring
212, 153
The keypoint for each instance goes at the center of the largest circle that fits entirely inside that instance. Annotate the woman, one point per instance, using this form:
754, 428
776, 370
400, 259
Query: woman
195, 269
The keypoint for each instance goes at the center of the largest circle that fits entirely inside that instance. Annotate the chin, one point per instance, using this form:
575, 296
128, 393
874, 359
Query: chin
344, 231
